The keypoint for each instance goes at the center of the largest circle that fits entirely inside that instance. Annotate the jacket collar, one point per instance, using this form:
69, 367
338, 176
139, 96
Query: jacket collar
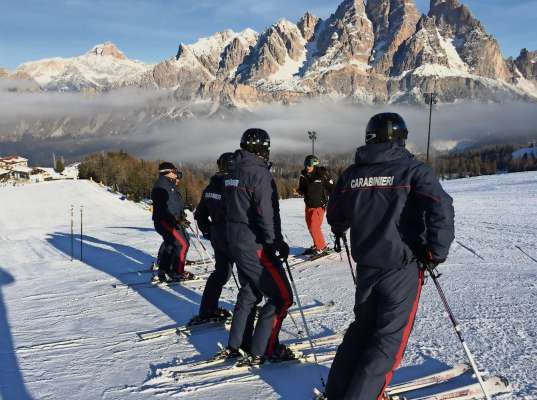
245, 157
380, 153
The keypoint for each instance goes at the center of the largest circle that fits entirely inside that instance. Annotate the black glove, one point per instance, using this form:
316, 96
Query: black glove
279, 248
206, 235
283, 249
426, 258
338, 237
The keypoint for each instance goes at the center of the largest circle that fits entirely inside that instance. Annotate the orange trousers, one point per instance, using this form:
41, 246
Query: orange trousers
314, 220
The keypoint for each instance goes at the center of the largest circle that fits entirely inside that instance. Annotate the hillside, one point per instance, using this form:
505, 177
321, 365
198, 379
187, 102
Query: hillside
64, 329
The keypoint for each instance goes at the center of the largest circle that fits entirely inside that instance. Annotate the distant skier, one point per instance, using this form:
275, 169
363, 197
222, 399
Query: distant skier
256, 244
399, 217
170, 222
316, 186
211, 218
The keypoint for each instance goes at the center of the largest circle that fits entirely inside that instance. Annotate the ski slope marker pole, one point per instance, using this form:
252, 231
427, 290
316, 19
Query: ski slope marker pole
457, 327
81, 230
470, 250
72, 231
346, 244
308, 334
526, 254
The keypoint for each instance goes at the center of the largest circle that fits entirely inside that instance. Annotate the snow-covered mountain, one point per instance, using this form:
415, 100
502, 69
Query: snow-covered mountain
374, 52
102, 68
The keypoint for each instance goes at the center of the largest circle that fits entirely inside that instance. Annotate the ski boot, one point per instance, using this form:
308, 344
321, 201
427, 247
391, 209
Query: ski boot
282, 353
250, 360
319, 253
219, 315
308, 251
227, 353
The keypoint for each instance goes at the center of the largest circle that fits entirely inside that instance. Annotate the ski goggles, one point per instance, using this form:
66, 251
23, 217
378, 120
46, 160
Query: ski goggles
311, 163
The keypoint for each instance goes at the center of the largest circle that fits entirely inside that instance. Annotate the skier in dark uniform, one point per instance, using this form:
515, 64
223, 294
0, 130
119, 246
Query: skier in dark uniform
170, 222
211, 218
399, 217
316, 186
256, 243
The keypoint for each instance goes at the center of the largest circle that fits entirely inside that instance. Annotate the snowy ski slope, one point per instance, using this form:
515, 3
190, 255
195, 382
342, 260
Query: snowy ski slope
66, 333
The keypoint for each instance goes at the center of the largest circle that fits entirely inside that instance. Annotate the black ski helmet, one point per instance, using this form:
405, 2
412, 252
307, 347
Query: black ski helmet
386, 127
311, 161
225, 162
256, 141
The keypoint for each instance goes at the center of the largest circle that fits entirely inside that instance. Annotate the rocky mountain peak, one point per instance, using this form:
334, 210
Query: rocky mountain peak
307, 25
107, 49
281, 48
346, 37
475, 46
394, 21
526, 63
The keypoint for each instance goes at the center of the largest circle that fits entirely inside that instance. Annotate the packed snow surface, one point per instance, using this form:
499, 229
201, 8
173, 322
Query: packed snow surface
65, 332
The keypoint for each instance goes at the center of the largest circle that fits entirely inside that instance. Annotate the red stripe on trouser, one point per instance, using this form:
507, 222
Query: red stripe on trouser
265, 261
406, 335
314, 220
182, 242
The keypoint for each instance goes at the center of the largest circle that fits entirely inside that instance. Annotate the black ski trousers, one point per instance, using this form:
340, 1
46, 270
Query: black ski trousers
260, 275
373, 346
215, 282
172, 252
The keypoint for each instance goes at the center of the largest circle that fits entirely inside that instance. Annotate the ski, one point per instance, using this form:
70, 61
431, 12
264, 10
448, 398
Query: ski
205, 365
233, 371
494, 385
295, 261
429, 380
155, 283
436, 378
190, 329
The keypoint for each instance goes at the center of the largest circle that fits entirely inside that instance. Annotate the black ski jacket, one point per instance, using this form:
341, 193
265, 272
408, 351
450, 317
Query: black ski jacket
252, 202
394, 206
168, 204
211, 212
315, 187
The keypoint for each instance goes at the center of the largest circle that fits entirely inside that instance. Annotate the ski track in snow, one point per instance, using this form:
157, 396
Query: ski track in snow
65, 332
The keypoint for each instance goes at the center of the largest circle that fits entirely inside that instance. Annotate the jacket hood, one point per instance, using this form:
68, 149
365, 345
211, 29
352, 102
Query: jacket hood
378, 153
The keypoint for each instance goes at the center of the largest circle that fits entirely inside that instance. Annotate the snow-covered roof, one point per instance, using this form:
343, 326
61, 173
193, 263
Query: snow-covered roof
25, 170
12, 159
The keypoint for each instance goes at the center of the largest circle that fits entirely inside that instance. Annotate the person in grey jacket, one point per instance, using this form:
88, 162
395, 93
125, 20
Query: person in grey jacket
170, 221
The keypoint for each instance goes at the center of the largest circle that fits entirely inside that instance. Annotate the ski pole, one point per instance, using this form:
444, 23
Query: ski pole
457, 327
470, 250
202, 246
346, 244
526, 254
235, 278
200, 253
308, 334
298, 330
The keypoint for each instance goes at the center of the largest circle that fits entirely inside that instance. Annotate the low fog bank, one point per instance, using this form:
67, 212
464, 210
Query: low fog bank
340, 126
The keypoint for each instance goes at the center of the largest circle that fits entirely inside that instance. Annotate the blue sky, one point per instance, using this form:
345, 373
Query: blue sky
151, 30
